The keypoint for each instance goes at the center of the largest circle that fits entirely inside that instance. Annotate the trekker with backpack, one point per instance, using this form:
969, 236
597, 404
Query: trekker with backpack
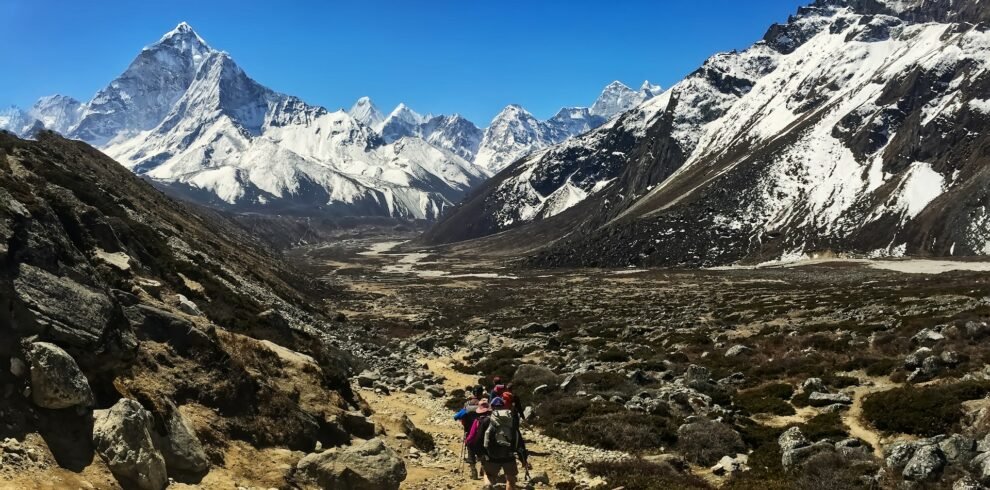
474, 444
503, 442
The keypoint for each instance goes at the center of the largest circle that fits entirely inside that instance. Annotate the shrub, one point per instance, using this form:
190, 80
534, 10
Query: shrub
822, 426
833, 471
705, 442
924, 411
603, 425
613, 355
645, 475
768, 399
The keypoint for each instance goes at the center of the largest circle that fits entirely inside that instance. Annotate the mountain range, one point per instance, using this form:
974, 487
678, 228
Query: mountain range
855, 127
187, 117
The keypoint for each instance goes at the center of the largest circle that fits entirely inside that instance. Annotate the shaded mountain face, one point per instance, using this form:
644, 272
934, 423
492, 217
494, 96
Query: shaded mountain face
857, 126
188, 117
94, 261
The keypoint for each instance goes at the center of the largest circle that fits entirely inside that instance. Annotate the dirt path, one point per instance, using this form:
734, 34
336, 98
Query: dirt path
558, 459
853, 418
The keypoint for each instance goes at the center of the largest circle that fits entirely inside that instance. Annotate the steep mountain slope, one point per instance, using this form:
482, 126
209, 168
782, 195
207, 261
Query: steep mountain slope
173, 307
856, 127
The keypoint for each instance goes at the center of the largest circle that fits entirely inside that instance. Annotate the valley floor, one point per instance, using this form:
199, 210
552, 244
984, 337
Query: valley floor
847, 321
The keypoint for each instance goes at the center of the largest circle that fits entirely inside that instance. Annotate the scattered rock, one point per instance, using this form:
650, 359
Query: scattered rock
56, 380
181, 449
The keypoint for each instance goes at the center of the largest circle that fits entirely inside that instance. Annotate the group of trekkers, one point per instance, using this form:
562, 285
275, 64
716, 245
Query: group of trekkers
491, 433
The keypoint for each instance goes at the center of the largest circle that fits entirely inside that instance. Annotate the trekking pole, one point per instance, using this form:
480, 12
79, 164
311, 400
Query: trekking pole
460, 466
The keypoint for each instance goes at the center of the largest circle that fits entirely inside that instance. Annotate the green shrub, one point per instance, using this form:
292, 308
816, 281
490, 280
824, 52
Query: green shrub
645, 475
613, 355
824, 426
705, 442
924, 411
603, 425
769, 399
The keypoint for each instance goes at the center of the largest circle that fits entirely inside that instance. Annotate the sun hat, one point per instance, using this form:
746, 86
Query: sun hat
483, 407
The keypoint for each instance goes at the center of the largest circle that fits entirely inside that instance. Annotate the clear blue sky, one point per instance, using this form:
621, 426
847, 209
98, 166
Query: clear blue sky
467, 56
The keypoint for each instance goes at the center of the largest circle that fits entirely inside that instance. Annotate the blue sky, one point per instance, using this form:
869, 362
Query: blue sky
472, 57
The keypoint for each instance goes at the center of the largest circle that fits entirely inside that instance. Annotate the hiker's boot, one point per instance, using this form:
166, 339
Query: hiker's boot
474, 473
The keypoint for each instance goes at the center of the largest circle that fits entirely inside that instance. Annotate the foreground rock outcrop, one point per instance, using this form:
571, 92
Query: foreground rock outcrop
122, 436
366, 466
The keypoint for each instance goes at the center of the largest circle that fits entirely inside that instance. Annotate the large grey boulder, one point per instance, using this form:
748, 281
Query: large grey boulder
123, 438
926, 464
64, 310
56, 380
369, 465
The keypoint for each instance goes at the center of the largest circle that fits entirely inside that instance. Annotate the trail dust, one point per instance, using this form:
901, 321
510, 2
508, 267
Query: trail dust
447, 471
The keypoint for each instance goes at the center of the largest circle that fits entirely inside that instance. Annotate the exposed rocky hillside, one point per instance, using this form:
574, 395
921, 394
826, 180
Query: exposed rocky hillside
856, 127
147, 340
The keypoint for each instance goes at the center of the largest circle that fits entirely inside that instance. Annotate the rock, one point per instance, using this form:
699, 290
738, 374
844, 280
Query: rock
56, 380
567, 383
737, 350
367, 379
898, 454
949, 358
977, 330
926, 464
369, 465
729, 465
812, 385
528, 412
981, 467
927, 336
534, 328
187, 306
539, 390
357, 424
17, 367
792, 438
967, 483
122, 436
539, 478
818, 399
958, 449
65, 311
436, 391
914, 359
696, 376
181, 449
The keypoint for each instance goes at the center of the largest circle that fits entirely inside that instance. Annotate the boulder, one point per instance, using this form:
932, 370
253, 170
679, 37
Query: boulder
898, 454
926, 464
122, 437
818, 399
187, 306
927, 336
60, 308
958, 449
737, 350
812, 385
56, 380
369, 465
181, 449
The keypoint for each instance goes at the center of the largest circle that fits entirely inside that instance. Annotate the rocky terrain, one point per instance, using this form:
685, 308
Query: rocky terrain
828, 374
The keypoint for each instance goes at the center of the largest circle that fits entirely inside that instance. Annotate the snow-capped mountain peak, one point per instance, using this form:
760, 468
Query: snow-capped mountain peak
618, 98
364, 110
